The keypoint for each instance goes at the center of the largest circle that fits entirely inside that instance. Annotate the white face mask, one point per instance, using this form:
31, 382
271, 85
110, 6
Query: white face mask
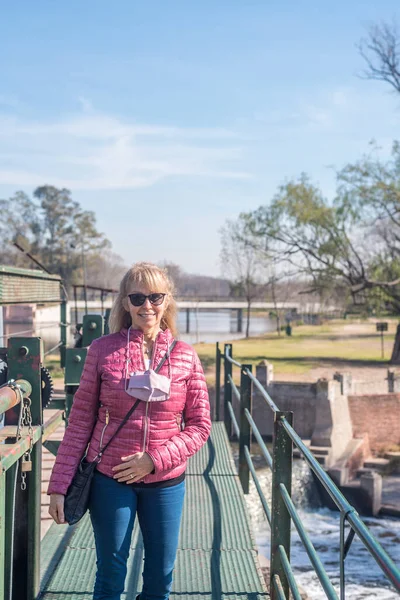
149, 386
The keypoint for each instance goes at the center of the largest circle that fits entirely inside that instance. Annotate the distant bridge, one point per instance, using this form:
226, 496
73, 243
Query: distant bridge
300, 307
228, 304
239, 305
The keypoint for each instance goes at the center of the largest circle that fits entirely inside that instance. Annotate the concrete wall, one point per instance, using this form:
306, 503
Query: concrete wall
378, 416
297, 397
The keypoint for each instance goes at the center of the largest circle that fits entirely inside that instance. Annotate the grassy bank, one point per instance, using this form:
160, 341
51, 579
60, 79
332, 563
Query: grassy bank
355, 343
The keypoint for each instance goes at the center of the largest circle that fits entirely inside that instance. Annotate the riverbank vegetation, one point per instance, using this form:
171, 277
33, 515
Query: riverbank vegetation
338, 344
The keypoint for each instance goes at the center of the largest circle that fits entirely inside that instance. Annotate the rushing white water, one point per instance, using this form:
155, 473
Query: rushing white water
364, 578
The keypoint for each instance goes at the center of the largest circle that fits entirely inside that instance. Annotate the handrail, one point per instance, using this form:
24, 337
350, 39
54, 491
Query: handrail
53, 348
278, 587
282, 578
326, 481
11, 453
259, 439
263, 392
289, 574
234, 422
230, 359
234, 388
20, 468
12, 393
308, 545
257, 484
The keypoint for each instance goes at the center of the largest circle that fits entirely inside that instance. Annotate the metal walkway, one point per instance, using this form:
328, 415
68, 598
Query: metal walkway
216, 559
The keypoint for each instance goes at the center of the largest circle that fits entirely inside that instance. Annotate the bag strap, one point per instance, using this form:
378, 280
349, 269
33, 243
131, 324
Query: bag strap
120, 426
164, 358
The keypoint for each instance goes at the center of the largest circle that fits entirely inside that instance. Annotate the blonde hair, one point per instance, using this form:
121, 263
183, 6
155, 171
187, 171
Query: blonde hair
156, 280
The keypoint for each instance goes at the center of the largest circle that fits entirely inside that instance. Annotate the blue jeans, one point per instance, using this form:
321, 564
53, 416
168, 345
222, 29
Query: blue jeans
113, 508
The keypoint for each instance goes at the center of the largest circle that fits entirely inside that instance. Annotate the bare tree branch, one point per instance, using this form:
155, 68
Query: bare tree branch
381, 52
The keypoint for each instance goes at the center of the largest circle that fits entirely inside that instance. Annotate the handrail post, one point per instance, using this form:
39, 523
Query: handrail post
227, 389
3, 526
281, 473
217, 381
63, 333
25, 358
245, 429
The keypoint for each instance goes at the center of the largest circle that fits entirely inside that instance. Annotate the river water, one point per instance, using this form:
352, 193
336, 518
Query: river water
364, 578
217, 326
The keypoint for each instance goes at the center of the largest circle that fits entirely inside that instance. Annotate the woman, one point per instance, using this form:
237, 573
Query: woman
143, 469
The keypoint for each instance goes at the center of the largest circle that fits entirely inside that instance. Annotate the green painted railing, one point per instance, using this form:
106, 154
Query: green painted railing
21, 469
282, 511
23, 436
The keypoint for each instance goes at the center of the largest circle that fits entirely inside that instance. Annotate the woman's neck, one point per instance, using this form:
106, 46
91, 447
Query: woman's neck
150, 336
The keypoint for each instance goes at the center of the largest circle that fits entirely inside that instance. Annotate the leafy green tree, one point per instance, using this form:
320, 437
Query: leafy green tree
351, 241
56, 227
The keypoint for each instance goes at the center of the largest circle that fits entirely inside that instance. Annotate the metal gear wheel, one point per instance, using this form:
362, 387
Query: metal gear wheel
47, 387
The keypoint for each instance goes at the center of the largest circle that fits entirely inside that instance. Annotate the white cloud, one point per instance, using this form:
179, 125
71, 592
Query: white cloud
97, 151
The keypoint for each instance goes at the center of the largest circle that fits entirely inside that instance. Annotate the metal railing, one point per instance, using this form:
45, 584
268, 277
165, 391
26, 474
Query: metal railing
282, 511
21, 441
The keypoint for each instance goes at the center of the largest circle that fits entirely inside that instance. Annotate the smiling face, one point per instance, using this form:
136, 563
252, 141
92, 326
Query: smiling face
148, 316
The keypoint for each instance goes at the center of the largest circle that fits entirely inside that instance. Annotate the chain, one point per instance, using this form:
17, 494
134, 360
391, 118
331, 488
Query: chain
26, 422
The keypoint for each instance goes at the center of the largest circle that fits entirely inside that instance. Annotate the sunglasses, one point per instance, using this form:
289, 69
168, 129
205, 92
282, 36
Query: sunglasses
139, 299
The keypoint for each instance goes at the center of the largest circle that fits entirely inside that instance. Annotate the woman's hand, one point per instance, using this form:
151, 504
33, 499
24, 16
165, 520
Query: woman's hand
56, 508
133, 468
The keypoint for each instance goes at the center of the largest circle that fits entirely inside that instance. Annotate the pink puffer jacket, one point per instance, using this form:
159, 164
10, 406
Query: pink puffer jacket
101, 403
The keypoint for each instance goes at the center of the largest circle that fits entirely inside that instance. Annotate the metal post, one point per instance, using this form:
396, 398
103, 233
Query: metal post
76, 304
63, 332
240, 320
102, 302
26, 358
2, 531
84, 277
107, 321
11, 527
188, 320
69, 400
1, 330
281, 474
217, 381
34, 508
227, 389
245, 429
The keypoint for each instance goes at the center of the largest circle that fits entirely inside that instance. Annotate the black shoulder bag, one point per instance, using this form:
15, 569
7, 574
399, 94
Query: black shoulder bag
77, 497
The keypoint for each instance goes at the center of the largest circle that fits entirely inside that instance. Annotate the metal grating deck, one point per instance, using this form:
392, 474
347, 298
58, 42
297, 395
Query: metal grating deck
216, 558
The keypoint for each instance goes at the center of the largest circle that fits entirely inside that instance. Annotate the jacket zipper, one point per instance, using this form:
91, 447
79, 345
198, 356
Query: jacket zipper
104, 429
145, 427
146, 419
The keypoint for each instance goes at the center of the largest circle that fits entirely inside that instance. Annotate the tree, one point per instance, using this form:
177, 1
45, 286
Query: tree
351, 241
350, 238
56, 227
381, 52
105, 269
175, 272
241, 260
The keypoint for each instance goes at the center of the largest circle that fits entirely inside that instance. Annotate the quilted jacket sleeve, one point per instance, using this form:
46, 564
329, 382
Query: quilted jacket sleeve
196, 415
80, 425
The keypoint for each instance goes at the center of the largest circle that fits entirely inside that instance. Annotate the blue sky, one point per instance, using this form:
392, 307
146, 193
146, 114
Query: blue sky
168, 117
